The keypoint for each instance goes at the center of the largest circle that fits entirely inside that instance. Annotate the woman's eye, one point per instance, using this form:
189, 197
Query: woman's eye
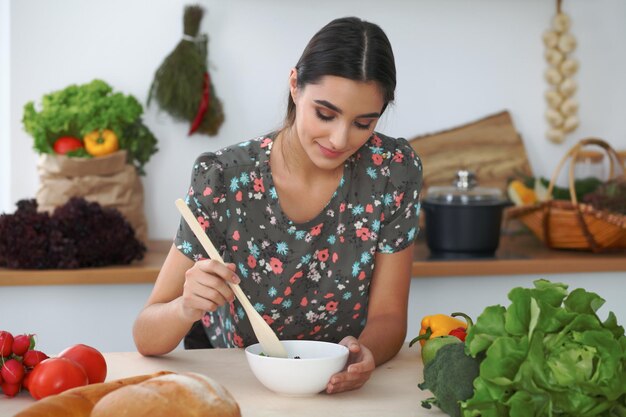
323, 116
327, 118
363, 126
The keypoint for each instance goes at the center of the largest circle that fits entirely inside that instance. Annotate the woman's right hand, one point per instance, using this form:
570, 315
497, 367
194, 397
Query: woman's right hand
206, 288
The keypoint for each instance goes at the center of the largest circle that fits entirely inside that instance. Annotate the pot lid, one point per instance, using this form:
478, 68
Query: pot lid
464, 190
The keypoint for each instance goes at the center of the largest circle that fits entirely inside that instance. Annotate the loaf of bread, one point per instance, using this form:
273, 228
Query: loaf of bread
181, 395
154, 395
78, 402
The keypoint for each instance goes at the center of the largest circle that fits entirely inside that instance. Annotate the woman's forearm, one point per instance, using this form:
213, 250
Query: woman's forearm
384, 337
159, 328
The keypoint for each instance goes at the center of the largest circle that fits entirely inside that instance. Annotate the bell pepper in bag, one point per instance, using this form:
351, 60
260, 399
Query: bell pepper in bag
100, 143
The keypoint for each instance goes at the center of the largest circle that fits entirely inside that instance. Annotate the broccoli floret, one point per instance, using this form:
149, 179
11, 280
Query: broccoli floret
449, 377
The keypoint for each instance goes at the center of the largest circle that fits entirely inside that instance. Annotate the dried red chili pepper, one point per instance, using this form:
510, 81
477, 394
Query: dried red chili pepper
204, 104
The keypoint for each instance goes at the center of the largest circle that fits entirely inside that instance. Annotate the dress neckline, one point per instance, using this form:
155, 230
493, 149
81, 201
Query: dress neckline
267, 143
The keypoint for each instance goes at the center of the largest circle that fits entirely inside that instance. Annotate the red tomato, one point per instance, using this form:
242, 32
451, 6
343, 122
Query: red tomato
26, 379
55, 375
66, 144
90, 359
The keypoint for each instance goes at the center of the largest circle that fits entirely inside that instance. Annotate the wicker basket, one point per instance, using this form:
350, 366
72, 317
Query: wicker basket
566, 224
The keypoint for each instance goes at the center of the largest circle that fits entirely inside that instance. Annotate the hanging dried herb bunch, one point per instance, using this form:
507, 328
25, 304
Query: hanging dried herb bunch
182, 85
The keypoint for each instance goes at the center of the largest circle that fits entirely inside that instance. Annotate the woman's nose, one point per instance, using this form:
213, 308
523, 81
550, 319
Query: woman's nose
339, 138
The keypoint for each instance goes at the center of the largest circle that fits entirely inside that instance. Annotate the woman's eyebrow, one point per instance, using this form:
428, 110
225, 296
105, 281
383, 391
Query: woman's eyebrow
338, 110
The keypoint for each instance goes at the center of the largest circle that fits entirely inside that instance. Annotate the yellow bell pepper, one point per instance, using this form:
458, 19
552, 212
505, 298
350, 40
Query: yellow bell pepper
520, 194
100, 143
437, 325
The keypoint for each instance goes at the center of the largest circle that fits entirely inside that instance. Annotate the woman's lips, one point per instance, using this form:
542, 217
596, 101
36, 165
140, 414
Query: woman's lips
329, 153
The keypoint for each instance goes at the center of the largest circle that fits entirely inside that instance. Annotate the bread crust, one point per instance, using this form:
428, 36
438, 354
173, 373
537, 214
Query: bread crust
181, 395
162, 394
79, 401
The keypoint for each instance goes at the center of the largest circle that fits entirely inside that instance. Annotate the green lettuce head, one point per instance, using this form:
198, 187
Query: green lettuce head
548, 354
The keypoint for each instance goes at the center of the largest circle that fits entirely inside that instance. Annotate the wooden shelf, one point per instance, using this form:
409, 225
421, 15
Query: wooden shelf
517, 254
144, 271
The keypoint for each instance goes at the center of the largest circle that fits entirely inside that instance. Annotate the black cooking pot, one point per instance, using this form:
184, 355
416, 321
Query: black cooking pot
463, 218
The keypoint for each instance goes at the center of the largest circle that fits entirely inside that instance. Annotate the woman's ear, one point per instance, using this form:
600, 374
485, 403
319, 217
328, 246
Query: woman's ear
293, 83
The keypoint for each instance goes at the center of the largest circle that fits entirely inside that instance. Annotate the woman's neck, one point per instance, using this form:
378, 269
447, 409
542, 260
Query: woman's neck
290, 159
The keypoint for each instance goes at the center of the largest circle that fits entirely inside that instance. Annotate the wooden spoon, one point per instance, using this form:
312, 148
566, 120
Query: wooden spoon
264, 333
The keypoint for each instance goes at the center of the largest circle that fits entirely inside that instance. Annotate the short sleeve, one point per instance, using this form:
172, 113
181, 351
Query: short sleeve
400, 224
206, 199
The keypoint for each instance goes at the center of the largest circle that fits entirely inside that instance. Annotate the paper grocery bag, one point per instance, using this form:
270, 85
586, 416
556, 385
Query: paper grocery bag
108, 180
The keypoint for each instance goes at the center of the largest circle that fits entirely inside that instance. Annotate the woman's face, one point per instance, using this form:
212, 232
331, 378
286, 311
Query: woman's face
335, 117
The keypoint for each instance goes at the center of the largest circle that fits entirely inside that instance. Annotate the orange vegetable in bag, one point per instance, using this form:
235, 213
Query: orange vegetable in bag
100, 143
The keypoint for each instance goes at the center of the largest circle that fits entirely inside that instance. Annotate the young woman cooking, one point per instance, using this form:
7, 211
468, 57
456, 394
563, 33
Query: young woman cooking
315, 220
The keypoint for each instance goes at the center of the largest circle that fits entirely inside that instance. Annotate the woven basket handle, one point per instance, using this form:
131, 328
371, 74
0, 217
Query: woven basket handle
573, 153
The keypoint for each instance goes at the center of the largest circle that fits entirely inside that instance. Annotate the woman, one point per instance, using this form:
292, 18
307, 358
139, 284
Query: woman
316, 220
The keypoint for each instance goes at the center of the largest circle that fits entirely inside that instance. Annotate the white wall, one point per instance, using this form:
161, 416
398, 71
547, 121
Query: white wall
5, 144
457, 61
102, 315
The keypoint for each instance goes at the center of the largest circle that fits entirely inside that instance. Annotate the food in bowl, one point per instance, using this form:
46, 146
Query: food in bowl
306, 370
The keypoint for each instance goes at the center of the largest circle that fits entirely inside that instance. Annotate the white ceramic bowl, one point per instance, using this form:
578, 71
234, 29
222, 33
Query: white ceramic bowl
305, 376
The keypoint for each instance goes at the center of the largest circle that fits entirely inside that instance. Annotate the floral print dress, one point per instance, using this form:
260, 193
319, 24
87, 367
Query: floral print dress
308, 280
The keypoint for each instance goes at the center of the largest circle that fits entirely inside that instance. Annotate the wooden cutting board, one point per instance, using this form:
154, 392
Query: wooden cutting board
490, 147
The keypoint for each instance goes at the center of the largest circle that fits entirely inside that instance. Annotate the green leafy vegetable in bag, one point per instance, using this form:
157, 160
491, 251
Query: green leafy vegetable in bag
79, 109
548, 354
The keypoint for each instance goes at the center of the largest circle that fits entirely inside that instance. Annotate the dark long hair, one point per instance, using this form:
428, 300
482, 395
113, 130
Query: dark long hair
350, 48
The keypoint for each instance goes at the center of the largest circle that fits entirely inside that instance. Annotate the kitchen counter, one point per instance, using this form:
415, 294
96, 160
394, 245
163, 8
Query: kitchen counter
391, 391
519, 253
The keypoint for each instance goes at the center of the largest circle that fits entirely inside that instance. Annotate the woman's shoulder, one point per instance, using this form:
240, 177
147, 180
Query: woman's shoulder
240, 155
383, 150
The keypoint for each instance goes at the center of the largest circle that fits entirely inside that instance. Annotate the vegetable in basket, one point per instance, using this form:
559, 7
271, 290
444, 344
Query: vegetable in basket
609, 196
529, 190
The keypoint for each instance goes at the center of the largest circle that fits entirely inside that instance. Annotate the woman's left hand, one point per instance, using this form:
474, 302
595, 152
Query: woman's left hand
359, 368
